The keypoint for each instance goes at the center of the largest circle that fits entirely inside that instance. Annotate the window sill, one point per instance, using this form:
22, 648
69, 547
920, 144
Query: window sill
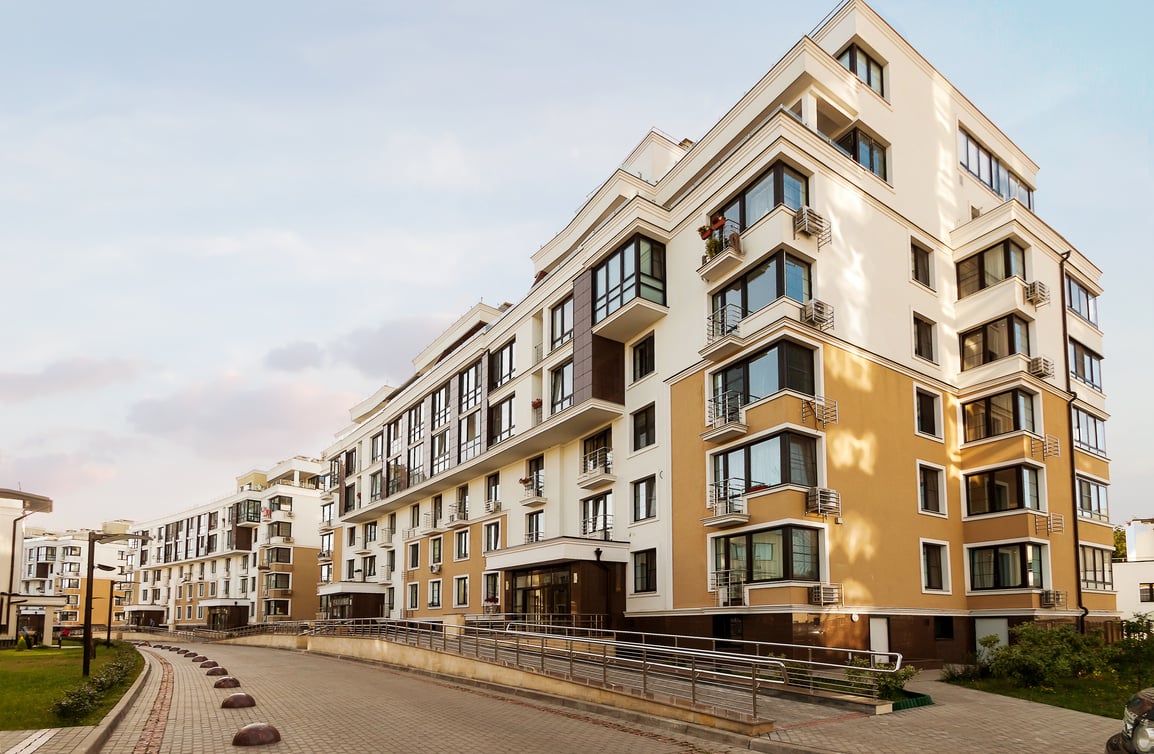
935, 438
1003, 514
933, 514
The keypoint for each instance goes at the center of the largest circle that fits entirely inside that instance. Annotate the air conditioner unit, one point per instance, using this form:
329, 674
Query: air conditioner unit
823, 502
435, 568
818, 314
1037, 293
1053, 598
825, 594
492, 506
1040, 366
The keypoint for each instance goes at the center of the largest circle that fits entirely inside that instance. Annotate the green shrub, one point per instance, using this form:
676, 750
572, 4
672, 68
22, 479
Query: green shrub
1040, 656
77, 703
884, 685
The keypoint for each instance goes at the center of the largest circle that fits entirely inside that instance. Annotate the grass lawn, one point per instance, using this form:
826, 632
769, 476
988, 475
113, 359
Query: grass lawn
32, 680
1105, 696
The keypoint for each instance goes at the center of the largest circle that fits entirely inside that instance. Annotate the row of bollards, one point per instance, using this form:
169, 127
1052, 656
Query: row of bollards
253, 734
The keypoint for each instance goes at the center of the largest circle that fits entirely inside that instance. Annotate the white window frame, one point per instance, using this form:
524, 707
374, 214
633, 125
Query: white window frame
939, 413
943, 498
947, 580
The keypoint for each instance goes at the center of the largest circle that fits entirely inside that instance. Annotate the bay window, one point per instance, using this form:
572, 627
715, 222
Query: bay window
1010, 566
785, 458
986, 268
637, 269
780, 275
1002, 489
783, 553
995, 340
999, 414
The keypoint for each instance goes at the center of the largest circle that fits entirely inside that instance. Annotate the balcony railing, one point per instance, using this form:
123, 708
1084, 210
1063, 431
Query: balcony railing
727, 497
599, 526
722, 322
596, 468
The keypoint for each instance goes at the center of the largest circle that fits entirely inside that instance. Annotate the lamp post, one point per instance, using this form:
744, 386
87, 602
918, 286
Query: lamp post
94, 538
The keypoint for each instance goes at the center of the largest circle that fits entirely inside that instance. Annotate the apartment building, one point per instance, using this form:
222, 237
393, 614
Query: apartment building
822, 377
250, 557
55, 564
15, 507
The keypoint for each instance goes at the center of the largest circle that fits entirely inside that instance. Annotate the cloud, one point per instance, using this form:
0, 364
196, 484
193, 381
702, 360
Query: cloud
243, 421
66, 376
387, 351
295, 357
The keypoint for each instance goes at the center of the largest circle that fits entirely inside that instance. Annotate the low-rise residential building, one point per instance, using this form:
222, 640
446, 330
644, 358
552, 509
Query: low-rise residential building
1134, 576
15, 507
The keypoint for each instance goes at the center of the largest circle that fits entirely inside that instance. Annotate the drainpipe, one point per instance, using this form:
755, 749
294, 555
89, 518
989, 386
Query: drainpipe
6, 600
1071, 397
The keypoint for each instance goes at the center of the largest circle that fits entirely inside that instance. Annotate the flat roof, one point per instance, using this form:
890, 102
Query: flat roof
32, 503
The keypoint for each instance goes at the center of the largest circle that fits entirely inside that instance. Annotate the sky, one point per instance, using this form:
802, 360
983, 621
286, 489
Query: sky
222, 224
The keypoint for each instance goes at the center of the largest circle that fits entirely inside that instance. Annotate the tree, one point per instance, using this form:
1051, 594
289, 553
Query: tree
1119, 543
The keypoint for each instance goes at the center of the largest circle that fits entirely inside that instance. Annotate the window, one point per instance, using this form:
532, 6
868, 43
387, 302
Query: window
535, 526
469, 382
535, 480
371, 532
867, 69
415, 418
501, 365
470, 436
780, 184
1012, 566
562, 382
935, 567
780, 275
999, 414
637, 269
786, 458
435, 554
785, 365
393, 437
1089, 432
461, 551
596, 516
561, 319
492, 536
995, 340
1085, 365
375, 487
785, 553
414, 556
991, 171
930, 489
491, 588
1092, 499
645, 498
645, 571
435, 593
643, 358
369, 564
865, 150
920, 268
1146, 592
1003, 489
441, 457
441, 406
501, 421
645, 427
413, 594
1080, 301
415, 457
924, 338
461, 591
990, 267
928, 409
1095, 567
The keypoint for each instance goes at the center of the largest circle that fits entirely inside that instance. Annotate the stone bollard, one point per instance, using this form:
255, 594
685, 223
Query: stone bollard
209, 664
218, 670
227, 682
256, 734
239, 699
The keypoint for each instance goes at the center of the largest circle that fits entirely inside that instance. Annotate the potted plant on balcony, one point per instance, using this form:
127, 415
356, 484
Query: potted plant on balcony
525, 481
704, 231
717, 222
536, 403
712, 247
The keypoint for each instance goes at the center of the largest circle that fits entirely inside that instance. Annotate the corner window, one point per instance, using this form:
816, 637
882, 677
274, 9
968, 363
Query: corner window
645, 571
928, 407
644, 358
780, 184
780, 275
635, 270
1012, 566
920, 266
1004, 489
990, 267
991, 171
785, 365
1089, 432
786, 458
857, 61
645, 427
1085, 365
1011, 411
995, 340
865, 150
1092, 500
1081, 301
785, 553
561, 323
924, 338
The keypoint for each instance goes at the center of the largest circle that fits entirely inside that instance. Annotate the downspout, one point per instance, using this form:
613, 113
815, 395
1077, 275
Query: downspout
1071, 397
6, 599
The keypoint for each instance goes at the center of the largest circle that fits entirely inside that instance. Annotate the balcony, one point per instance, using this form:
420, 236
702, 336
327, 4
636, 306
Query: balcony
596, 469
723, 253
722, 335
325, 525
324, 555
456, 518
726, 501
630, 320
385, 539
555, 550
534, 486
723, 416
597, 527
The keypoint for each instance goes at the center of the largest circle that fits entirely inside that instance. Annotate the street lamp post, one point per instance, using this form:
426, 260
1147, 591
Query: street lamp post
94, 538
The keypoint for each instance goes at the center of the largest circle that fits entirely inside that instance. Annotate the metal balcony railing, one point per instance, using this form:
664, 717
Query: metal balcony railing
727, 496
723, 321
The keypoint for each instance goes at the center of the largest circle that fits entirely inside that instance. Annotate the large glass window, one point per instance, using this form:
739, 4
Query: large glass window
867, 69
501, 421
1080, 301
1095, 567
865, 150
597, 516
999, 414
645, 427
1003, 489
470, 386
1092, 500
991, 171
990, 267
637, 269
780, 184
1012, 566
561, 317
501, 365
441, 406
786, 553
785, 365
780, 275
562, 387
785, 458
1085, 365
416, 422
995, 340
469, 436
1089, 432
441, 455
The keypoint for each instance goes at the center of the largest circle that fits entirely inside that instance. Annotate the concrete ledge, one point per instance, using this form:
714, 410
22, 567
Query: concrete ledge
94, 742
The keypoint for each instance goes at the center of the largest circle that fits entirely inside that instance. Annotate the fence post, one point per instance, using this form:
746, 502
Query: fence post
644, 670
693, 679
753, 678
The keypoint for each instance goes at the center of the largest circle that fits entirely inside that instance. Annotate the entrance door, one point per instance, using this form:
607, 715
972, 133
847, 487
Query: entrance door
999, 627
880, 634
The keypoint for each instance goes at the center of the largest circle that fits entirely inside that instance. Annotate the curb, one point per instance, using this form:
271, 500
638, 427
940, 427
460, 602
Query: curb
94, 742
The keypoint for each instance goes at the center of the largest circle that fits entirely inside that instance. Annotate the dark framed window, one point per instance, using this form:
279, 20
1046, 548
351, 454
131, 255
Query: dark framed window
415, 419
995, 340
636, 270
378, 446
1012, 566
469, 383
468, 436
924, 338
988, 169
1095, 567
597, 516
441, 452
1089, 432
645, 571
780, 275
780, 184
865, 150
990, 267
784, 553
1085, 365
501, 365
784, 458
1092, 500
944, 627
1081, 301
442, 408
435, 593
645, 498
501, 421
1146, 592
562, 387
644, 357
928, 410
561, 323
784, 365
930, 489
493, 487
645, 427
933, 566
1002, 489
920, 268
535, 526
1011, 411
856, 60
